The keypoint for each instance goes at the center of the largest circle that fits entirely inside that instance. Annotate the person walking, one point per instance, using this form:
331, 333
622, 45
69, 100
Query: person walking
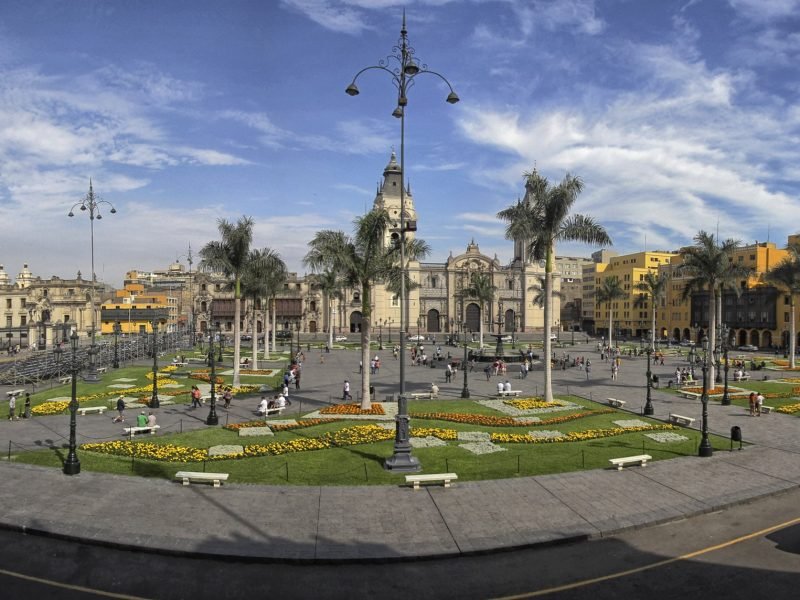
346, 391
759, 403
752, 400
27, 413
120, 410
297, 380
12, 405
588, 368
227, 396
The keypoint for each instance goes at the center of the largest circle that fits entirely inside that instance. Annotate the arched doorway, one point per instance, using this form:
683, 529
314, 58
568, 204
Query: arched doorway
508, 324
766, 339
433, 321
742, 337
754, 339
473, 316
687, 334
312, 327
355, 321
676, 334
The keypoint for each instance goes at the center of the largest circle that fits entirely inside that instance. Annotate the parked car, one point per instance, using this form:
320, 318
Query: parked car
416, 338
340, 338
749, 348
246, 338
283, 334
506, 338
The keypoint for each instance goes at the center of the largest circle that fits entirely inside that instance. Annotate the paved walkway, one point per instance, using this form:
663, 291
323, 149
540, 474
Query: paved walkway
388, 522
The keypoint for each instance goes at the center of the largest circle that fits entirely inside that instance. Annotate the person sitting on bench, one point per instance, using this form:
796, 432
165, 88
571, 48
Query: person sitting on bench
141, 419
262, 406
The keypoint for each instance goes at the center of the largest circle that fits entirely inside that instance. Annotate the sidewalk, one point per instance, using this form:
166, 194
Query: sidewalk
387, 522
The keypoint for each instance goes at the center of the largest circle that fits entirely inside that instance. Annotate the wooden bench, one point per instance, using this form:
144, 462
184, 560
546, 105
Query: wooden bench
615, 403
766, 409
428, 395
446, 478
15, 393
187, 477
145, 429
91, 409
505, 393
630, 460
65, 379
680, 420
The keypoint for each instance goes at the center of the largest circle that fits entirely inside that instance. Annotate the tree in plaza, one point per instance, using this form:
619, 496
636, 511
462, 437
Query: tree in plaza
362, 260
610, 290
708, 265
543, 218
483, 290
274, 279
786, 276
330, 284
230, 256
652, 288
263, 267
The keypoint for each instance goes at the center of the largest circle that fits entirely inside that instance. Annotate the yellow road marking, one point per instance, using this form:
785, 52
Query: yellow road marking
655, 565
67, 586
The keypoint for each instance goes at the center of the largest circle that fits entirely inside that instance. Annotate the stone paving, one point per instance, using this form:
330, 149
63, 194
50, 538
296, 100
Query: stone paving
393, 522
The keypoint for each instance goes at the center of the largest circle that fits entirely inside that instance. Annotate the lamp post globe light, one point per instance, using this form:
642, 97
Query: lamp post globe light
92, 204
212, 418
72, 466
705, 449
403, 67
648, 407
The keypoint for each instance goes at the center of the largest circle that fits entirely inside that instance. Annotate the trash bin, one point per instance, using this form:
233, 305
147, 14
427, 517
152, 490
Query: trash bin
433, 364
736, 436
372, 392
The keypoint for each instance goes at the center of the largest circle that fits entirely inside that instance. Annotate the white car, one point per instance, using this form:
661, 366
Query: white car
340, 338
416, 338
506, 338
749, 348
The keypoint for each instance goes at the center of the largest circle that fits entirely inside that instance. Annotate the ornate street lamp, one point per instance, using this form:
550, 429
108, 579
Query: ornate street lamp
212, 418
221, 342
380, 334
115, 364
154, 398
465, 389
705, 445
390, 331
406, 67
72, 466
92, 203
648, 407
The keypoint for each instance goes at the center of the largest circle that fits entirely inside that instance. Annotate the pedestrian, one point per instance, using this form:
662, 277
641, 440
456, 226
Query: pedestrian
752, 401
297, 380
759, 403
227, 396
195, 394
588, 368
12, 405
27, 413
120, 409
488, 371
346, 391
448, 373
360, 367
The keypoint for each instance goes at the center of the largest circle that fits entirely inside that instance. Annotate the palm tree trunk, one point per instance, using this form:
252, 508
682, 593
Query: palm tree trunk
274, 325
254, 338
548, 309
480, 325
366, 317
236, 341
266, 330
330, 322
792, 339
653, 327
712, 332
610, 323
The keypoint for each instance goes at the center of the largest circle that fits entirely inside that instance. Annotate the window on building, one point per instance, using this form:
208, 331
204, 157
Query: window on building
8, 302
22, 303
8, 321
511, 284
66, 318
395, 300
434, 281
785, 317
356, 297
23, 320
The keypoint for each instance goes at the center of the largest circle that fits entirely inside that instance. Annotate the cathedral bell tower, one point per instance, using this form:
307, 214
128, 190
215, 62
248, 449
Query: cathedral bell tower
388, 198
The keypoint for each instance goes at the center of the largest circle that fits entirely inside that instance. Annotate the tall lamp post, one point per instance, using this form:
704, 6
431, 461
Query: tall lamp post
404, 70
115, 364
705, 449
212, 418
190, 260
465, 389
648, 406
154, 398
72, 466
380, 334
92, 203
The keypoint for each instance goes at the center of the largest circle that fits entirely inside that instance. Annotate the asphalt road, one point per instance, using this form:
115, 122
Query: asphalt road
750, 551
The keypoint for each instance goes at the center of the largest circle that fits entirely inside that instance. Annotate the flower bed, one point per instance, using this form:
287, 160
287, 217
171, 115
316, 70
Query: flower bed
789, 409
531, 403
573, 436
203, 376
281, 427
352, 409
492, 421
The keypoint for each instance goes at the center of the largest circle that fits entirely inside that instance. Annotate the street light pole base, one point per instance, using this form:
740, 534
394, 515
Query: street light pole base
402, 462
705, 450
465, 393
648, 409
72, 466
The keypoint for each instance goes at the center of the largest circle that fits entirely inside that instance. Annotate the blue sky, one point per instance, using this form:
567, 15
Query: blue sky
678, 116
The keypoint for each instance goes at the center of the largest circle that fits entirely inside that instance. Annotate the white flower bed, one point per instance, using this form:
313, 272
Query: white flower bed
545, 434
426, 442
527, 419
481, 447
630, 423
664, 437
225, 450
502, 407
474, 436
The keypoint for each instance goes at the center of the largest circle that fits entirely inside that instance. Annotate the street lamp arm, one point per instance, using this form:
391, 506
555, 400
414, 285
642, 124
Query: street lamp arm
452, 97
352, 90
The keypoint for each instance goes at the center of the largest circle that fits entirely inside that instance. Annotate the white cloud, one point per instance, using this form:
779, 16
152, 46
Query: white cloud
766, 10
330, 15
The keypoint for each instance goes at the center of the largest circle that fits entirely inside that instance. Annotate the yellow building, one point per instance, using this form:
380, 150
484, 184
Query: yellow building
135, 309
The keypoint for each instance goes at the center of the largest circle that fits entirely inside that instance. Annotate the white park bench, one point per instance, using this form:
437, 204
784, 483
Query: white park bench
680, 420
271, 411
766, 409
508, 393
429, 395
15, 393
630, 460
151, 429
744, 377
84, 410
615, 403
102, 369
187, 477
65, 379
446, 478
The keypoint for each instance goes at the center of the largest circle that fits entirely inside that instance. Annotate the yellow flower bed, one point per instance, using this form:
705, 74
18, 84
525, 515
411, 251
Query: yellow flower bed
281, 427
352, 409
149, 450
529, 403
50, 408
160, 374
789, 409
574, 436
492, 421
168, 369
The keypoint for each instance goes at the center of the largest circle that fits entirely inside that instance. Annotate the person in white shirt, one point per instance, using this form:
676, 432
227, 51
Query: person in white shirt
507, 386
262, 406
280, 402
500, 387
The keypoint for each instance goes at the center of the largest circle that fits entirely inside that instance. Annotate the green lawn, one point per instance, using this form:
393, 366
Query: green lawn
363, 464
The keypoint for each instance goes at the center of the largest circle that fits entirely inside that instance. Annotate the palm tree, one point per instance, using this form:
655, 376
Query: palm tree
653, 288
274, 281
610, 290
230, 256
543, 218
262, 266
362, 261
708, 265
328, 282
481, 288
786, 275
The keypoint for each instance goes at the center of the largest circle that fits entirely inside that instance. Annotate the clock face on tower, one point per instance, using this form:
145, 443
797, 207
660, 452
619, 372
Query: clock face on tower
541, 263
